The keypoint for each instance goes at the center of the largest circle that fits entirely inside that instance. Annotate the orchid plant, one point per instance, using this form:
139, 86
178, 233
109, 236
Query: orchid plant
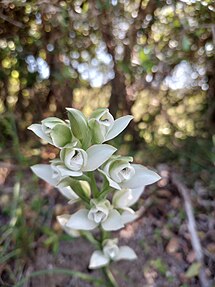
83, 152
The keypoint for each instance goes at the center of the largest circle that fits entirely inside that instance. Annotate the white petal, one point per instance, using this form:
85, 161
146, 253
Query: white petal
119, 125
122, 198
128, 216
111, 182
63, 219
97, 155
45, 172
67, 172
126, 252
135, 195
113, 222
80, 221
142, 177
37, 129
69, 193
98, 259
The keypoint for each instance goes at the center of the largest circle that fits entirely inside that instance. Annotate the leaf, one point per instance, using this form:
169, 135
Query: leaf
79, 125
193, 270
68, 272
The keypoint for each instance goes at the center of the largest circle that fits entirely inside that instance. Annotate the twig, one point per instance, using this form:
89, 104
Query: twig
183, 190
11, 21
143, 208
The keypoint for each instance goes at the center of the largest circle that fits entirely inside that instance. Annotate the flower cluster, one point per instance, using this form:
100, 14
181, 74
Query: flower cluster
83, 150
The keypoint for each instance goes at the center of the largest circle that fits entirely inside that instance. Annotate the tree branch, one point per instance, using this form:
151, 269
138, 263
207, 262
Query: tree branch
11, 21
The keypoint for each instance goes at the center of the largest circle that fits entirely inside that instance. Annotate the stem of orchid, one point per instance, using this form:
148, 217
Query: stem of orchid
109, 276
94, 187
104, 235
106, 270
87, 235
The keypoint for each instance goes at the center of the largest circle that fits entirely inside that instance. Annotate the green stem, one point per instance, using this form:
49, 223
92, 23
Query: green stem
93, 185
106, 270
110, 280
55, 271
87, 235
109, 276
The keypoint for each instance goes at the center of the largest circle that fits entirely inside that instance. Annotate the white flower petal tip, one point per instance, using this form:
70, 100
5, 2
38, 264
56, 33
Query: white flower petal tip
63, 219
97, 155
80, 221
125, 198
119, 125
69, 193
142, 177
113, 222
128, 216
104, 127
45, 172
126, 253
98, 260
37, 129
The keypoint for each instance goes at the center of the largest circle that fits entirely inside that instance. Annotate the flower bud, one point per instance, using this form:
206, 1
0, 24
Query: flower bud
79, 126
104, 127
54, 131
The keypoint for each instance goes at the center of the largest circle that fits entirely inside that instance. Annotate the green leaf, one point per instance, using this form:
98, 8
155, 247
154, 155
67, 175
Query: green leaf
193, 270
55, 271
79, 126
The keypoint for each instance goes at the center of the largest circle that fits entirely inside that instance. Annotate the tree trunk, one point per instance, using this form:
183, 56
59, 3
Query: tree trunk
211, 96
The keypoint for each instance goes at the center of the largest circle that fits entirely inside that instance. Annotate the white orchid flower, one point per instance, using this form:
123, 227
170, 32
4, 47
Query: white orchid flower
111, 252
123, 199
100, 213
63, 219
104, 127
49, 174
120, 173
75, 161
53, 130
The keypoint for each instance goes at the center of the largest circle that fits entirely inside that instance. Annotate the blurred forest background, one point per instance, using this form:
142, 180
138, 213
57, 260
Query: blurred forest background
153, 59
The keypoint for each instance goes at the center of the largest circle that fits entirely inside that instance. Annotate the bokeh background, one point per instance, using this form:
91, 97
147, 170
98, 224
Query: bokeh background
149, 58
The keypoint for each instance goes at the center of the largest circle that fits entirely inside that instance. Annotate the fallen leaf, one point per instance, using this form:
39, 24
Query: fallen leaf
173, 245
193, 270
